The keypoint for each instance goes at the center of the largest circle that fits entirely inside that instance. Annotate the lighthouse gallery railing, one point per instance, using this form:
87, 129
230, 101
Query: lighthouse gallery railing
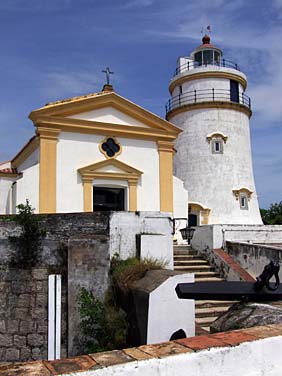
206, 95
190, 65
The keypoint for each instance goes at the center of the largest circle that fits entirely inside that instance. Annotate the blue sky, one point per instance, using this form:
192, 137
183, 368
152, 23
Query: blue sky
57, 48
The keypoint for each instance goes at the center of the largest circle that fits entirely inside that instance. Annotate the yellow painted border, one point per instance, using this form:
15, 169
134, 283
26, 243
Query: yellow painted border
104, 153
97, 127
214, 104
128, 173
203, 211
48, 169
245, 190
84, 104
166, 151
204, 75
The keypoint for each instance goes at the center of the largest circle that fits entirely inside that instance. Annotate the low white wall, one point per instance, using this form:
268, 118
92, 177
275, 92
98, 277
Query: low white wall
168, 314
158, 247
256, 358
125, 226
215, 236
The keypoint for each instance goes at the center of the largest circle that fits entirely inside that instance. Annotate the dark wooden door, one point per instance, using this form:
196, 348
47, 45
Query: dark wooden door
108, 199
234, 91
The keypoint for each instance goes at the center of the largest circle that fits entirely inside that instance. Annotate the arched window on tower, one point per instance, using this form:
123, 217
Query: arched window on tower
217, 140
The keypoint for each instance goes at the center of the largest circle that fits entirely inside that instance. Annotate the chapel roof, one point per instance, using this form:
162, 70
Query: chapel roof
9, 171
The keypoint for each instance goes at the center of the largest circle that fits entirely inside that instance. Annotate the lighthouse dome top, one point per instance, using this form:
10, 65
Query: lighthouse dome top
207, 53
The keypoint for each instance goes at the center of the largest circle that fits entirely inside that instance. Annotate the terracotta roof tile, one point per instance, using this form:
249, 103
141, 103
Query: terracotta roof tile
9, 171
74, 99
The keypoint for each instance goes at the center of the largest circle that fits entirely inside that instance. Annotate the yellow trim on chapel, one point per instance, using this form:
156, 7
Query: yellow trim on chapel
75, 106
166, 152
47, 169
128, 173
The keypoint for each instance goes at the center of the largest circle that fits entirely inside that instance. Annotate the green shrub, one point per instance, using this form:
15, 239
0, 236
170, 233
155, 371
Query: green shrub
103, 325
26, 245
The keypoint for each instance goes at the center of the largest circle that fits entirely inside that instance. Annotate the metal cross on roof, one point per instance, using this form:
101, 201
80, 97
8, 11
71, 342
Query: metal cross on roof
108, 72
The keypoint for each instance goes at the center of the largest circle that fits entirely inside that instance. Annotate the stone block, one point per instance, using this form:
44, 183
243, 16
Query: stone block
39, 313
40, 274
23, 300
36, 353
25, 354
19, 287
13, 326
41, 301
39, 286
20, 313
27, 326
12, 355
6, 340
19, 341
42, 326
2, 326
35, 340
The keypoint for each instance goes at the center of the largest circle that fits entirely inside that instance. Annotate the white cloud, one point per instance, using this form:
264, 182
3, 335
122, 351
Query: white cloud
33, 5
132, 4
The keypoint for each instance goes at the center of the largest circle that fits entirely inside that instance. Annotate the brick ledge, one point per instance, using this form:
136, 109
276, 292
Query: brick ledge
106, 359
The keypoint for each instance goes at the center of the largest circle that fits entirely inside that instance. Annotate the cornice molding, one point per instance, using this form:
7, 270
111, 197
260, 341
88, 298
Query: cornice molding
213, 104
96, 127
111, 99
203, 75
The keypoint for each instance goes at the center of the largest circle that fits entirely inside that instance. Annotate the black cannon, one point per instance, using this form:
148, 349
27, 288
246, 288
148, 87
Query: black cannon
261, 290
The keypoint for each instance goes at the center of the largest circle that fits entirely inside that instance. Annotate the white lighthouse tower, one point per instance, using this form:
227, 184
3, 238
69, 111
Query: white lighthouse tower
213, 153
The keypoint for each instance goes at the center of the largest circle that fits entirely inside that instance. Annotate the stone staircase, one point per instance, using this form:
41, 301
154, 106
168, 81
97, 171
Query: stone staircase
206, 311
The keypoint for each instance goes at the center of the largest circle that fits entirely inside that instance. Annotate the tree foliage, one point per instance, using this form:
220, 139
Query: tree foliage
273, 215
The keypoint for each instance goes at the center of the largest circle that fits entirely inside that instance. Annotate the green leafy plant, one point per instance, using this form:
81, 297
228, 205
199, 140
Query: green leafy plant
26, 245
103, 324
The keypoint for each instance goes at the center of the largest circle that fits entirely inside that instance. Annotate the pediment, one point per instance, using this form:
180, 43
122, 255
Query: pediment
100, 110
109, 114
111, 168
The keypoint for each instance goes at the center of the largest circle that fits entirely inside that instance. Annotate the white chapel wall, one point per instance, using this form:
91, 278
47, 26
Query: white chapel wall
6, 195
76, 150
28, 183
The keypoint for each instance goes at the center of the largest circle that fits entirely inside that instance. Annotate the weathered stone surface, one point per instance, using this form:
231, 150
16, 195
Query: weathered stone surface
19, 341
31, 369
6, 340
35, 339
25, 353
36, 353
2, 326
12, 355
246, 315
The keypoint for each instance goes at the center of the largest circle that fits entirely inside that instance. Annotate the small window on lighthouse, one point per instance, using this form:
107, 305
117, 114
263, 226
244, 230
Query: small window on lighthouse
243, 201
217, 146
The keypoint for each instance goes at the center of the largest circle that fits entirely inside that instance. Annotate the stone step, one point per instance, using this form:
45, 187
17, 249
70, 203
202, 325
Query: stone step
193, 262
213, 303
185, 252
210, 312
199, 274
205, 321
206, 279
194, 268
188, 257
184, 246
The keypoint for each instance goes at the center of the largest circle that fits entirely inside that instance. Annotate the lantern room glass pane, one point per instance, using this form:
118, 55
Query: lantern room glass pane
208, 57
198, 57
216, 57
